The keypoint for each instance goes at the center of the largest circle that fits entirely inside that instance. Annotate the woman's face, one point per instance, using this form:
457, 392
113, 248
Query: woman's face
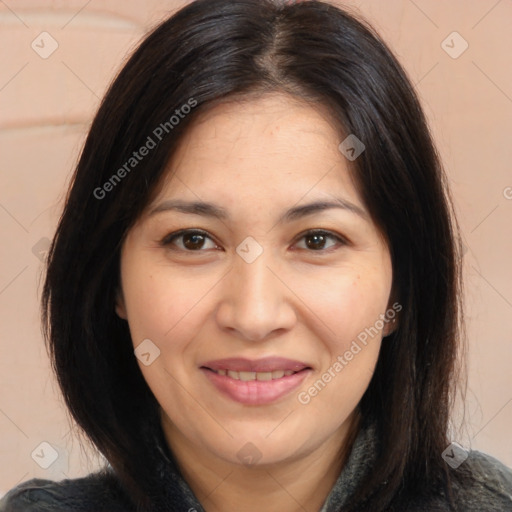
254, 285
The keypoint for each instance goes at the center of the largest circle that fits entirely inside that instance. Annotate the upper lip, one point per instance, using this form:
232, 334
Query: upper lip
266, 364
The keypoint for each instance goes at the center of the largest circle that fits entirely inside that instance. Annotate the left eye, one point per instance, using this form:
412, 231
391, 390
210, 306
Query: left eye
317, 240
194, 240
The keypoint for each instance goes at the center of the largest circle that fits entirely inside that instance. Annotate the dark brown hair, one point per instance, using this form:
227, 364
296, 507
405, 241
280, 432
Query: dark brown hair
216, 50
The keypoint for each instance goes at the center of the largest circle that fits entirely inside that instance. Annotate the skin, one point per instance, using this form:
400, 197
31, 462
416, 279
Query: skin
302, 299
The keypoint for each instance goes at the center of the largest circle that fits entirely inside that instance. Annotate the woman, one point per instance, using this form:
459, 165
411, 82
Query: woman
252, 300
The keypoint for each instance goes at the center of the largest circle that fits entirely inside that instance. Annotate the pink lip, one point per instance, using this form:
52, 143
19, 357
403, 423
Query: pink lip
255, 392
266, 364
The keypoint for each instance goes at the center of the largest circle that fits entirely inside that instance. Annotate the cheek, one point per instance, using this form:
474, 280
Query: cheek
147, 304
351, 353
347, 303
350, 307
162, 304
150, 298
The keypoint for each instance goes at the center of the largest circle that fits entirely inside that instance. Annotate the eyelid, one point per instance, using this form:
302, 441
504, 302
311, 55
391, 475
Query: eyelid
166, 240
309, 232
323, 232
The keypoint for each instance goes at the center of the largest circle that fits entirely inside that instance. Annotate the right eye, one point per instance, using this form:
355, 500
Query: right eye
189, 240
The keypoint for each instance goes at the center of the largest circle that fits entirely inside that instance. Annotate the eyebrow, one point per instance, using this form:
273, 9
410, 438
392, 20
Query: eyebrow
218, 212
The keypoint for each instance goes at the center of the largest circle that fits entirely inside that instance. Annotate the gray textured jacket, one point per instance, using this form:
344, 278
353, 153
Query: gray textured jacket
489, 491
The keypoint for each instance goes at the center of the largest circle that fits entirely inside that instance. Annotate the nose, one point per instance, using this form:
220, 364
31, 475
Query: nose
257, 302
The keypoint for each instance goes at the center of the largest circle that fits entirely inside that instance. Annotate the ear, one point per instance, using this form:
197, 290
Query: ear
120, 306
390, 326
392, 315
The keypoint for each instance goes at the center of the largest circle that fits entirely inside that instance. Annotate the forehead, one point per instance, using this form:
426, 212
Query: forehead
272, 146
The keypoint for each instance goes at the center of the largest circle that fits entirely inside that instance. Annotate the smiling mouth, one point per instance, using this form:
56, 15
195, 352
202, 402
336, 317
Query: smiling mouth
256, 388
255, 376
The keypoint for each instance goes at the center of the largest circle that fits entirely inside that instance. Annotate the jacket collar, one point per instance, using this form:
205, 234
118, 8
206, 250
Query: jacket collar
361, 458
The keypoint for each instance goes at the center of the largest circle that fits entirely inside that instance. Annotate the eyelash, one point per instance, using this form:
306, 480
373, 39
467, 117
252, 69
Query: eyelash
168, 239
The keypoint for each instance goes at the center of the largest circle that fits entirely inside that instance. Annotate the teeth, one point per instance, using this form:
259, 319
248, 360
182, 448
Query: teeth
247, 375
250, 376
233, 375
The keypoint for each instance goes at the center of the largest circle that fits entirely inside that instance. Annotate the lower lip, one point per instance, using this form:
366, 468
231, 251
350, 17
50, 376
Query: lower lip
256, 392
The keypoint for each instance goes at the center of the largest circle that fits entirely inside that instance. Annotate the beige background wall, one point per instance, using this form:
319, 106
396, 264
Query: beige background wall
46, 105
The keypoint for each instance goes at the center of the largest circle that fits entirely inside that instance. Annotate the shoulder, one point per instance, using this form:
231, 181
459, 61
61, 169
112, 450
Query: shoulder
489, 486
480, 484
96, 492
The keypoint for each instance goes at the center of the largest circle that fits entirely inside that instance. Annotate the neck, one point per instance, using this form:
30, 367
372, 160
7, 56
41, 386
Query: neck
290, 486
